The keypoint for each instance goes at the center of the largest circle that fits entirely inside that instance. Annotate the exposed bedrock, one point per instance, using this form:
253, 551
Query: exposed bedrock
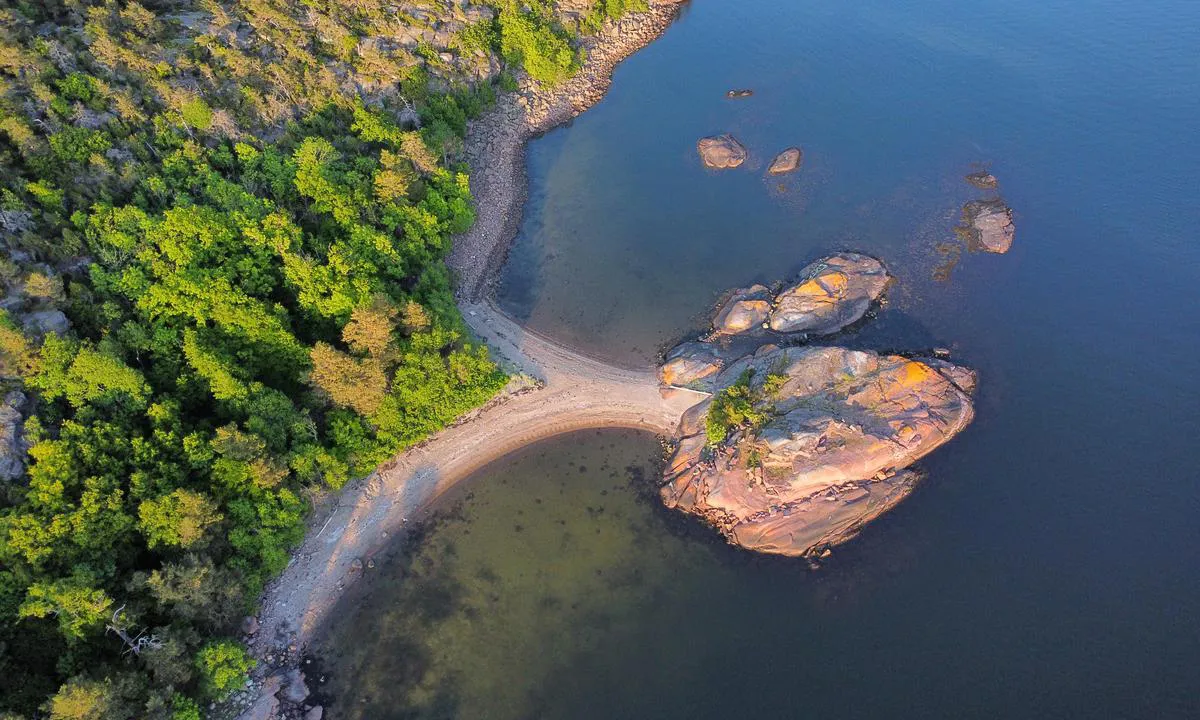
747, 309
797, 447
821, 446
831, 294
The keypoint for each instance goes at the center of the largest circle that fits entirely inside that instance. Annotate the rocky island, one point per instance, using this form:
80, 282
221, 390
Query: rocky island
798, 447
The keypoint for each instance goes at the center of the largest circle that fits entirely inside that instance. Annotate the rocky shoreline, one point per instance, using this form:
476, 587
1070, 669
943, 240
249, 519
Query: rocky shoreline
495, 144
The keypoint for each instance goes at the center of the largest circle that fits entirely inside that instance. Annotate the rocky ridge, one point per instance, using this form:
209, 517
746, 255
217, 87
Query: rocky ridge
830, 294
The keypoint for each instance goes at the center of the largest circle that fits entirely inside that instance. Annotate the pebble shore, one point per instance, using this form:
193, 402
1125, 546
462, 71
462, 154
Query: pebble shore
495, 145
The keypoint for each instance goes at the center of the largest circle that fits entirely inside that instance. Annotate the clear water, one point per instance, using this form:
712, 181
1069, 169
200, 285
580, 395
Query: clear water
1048, 567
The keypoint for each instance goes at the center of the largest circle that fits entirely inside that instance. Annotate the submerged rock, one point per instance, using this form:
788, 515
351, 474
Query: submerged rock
721, 152
786, 162
748, 308
832, 293
989, 225
836, 430
983, 180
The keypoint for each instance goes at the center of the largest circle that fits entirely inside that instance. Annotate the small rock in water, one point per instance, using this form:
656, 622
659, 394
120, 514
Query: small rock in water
739, 93
983, 180
786, 162
721, 152
989, 225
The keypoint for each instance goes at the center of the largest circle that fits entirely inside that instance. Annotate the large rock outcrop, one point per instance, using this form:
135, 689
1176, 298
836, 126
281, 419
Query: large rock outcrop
797, 447
832, 293
827, 449
721, 152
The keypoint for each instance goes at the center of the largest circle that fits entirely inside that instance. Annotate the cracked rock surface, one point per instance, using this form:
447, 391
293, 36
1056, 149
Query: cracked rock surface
841, 427
827, 435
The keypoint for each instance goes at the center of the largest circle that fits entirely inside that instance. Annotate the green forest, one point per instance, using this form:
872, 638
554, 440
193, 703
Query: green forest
224, 296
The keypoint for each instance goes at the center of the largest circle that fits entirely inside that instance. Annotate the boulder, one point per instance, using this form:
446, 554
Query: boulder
739, 93
12, 440
249, 625
989, 225
983, 180
836, 428
295, 691
266, 705
721, 152
315, 712
43, 322
786, 162
832, 293
746, 309
689, 363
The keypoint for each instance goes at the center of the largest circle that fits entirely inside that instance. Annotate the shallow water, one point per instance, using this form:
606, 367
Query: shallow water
1047, 567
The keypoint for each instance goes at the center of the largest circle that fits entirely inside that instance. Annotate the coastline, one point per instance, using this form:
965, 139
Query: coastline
573, 392
495, 145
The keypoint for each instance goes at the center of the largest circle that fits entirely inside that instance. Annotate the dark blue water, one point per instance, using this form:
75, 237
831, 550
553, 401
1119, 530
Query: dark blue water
1049, 567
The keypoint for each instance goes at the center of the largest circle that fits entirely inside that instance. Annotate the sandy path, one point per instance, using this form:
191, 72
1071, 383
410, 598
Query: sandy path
578, 393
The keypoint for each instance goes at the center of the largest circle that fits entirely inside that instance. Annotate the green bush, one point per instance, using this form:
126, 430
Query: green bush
536, 44
736, 406
76, 145
185, 708
224, 667
196, 113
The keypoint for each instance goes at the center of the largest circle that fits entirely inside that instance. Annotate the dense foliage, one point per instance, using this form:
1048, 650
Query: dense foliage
242, 209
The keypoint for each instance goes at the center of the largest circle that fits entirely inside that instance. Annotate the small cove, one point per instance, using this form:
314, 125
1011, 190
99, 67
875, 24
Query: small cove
1043, 568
